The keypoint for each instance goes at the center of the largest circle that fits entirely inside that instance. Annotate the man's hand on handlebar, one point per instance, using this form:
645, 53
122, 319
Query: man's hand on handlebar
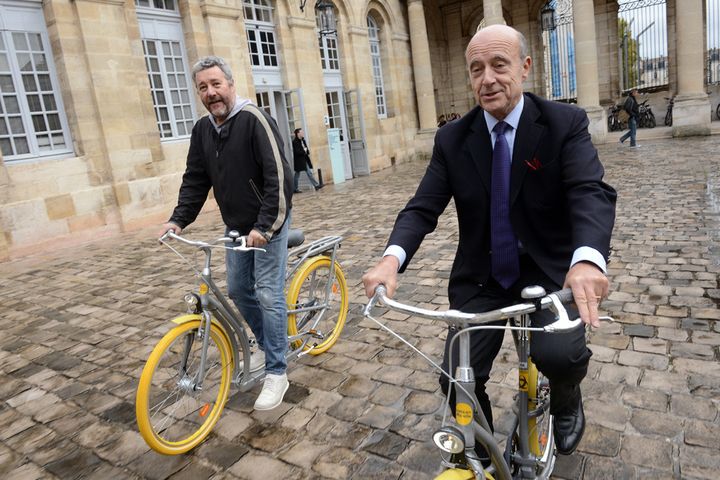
167, 227
384, 273
589, 286
255, 239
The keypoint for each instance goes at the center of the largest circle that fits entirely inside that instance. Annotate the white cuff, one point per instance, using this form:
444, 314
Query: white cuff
397, 252
589, 254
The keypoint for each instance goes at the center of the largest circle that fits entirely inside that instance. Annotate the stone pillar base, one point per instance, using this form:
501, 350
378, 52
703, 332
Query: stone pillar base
691, 115
598, 124
424, 141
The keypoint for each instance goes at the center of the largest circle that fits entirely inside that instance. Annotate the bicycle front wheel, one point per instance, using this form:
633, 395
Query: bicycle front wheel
317, 303
176, 408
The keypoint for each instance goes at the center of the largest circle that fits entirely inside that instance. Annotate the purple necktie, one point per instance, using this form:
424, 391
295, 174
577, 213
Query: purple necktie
504, 258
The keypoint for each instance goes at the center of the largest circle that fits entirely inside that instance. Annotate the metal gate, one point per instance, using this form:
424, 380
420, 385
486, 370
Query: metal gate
712, 26
642, 44
559, 54
356, 134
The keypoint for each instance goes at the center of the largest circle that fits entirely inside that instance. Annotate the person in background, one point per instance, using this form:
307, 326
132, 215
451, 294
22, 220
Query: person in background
301, 158
632, 108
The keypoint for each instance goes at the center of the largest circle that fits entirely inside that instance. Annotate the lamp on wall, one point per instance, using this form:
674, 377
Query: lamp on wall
326, 14
547, 17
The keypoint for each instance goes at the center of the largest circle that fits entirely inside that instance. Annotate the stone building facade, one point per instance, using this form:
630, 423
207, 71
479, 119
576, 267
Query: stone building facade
97, 100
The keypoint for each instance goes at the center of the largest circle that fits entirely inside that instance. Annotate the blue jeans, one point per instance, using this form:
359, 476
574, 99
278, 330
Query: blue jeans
309, 173
632, 123
256, 284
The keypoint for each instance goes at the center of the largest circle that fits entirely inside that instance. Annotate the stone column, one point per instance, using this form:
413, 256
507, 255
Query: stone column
690, 112
586, 68
422, 68
492, 11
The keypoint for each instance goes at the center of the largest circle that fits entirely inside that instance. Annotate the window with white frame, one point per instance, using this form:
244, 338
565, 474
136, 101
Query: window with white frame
32, 118
159, 4
329, 55
376, 61
260, 31
166, 63
263, 101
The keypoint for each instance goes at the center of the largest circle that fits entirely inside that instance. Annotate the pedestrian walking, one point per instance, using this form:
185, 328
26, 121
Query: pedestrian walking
237, 150
543, 219
301, 160
632, 108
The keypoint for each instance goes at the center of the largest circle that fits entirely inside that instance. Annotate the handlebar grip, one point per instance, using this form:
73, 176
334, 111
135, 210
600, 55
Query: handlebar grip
565, 295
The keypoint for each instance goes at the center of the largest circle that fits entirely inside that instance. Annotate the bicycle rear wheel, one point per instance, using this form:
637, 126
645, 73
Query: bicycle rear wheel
172, 415
311, 307
540, 426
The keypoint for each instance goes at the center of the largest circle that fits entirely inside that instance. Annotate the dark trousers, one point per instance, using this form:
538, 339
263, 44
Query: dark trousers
562, 357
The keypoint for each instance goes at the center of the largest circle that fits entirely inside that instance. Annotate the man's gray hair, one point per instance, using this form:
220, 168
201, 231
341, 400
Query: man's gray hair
523, 45
212, 61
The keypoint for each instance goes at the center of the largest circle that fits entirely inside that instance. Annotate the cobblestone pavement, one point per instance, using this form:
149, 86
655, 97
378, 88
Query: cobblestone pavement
78, 324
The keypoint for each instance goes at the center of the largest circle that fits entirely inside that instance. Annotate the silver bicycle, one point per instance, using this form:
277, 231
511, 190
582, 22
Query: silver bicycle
529, 451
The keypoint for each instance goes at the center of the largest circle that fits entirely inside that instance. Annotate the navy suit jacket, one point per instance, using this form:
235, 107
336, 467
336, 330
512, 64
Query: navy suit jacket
558, 201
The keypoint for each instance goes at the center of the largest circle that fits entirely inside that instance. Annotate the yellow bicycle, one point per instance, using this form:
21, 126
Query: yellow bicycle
186, 380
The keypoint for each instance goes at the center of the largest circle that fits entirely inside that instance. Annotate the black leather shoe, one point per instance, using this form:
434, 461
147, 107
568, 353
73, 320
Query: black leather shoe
297, 191
319, 186
569, 427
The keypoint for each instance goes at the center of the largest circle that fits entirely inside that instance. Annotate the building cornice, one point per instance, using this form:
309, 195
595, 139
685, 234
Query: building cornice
359, 31
213, 8
117, 3
300, 22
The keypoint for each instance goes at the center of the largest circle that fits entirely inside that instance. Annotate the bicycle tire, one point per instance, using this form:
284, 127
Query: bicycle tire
539, 427
159, 396
668, 118
651, 120
717, 112
307, 288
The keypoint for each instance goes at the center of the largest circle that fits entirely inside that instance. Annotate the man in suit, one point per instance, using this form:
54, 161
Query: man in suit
532, 210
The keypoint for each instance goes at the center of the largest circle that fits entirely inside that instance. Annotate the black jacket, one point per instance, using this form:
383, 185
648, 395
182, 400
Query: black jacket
558, 201
301, 157
631, 106
246, 167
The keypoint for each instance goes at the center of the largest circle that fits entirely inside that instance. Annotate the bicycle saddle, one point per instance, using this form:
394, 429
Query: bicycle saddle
296, 237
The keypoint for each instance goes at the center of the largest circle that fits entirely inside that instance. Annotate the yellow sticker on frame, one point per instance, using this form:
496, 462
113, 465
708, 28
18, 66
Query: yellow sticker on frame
523, 381
463, 413
203, 288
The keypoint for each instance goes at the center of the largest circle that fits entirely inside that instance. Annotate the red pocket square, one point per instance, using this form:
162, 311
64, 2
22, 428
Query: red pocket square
533, 164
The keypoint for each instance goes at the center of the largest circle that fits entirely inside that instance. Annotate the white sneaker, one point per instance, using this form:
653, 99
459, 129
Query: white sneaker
273, 392
257, 361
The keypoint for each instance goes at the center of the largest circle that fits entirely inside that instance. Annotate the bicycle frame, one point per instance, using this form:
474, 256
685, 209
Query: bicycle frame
469, 416
215, 306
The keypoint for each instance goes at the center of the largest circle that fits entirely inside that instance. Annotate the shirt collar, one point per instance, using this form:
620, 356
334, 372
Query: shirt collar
513, 118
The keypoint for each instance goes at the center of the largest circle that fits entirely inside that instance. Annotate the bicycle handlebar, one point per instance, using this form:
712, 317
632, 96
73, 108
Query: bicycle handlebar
242, 240
553, 301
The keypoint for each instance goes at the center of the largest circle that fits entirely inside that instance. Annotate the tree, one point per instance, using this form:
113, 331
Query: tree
629, 55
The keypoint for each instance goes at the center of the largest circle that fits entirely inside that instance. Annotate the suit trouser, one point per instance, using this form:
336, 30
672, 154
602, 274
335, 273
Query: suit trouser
562, 357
